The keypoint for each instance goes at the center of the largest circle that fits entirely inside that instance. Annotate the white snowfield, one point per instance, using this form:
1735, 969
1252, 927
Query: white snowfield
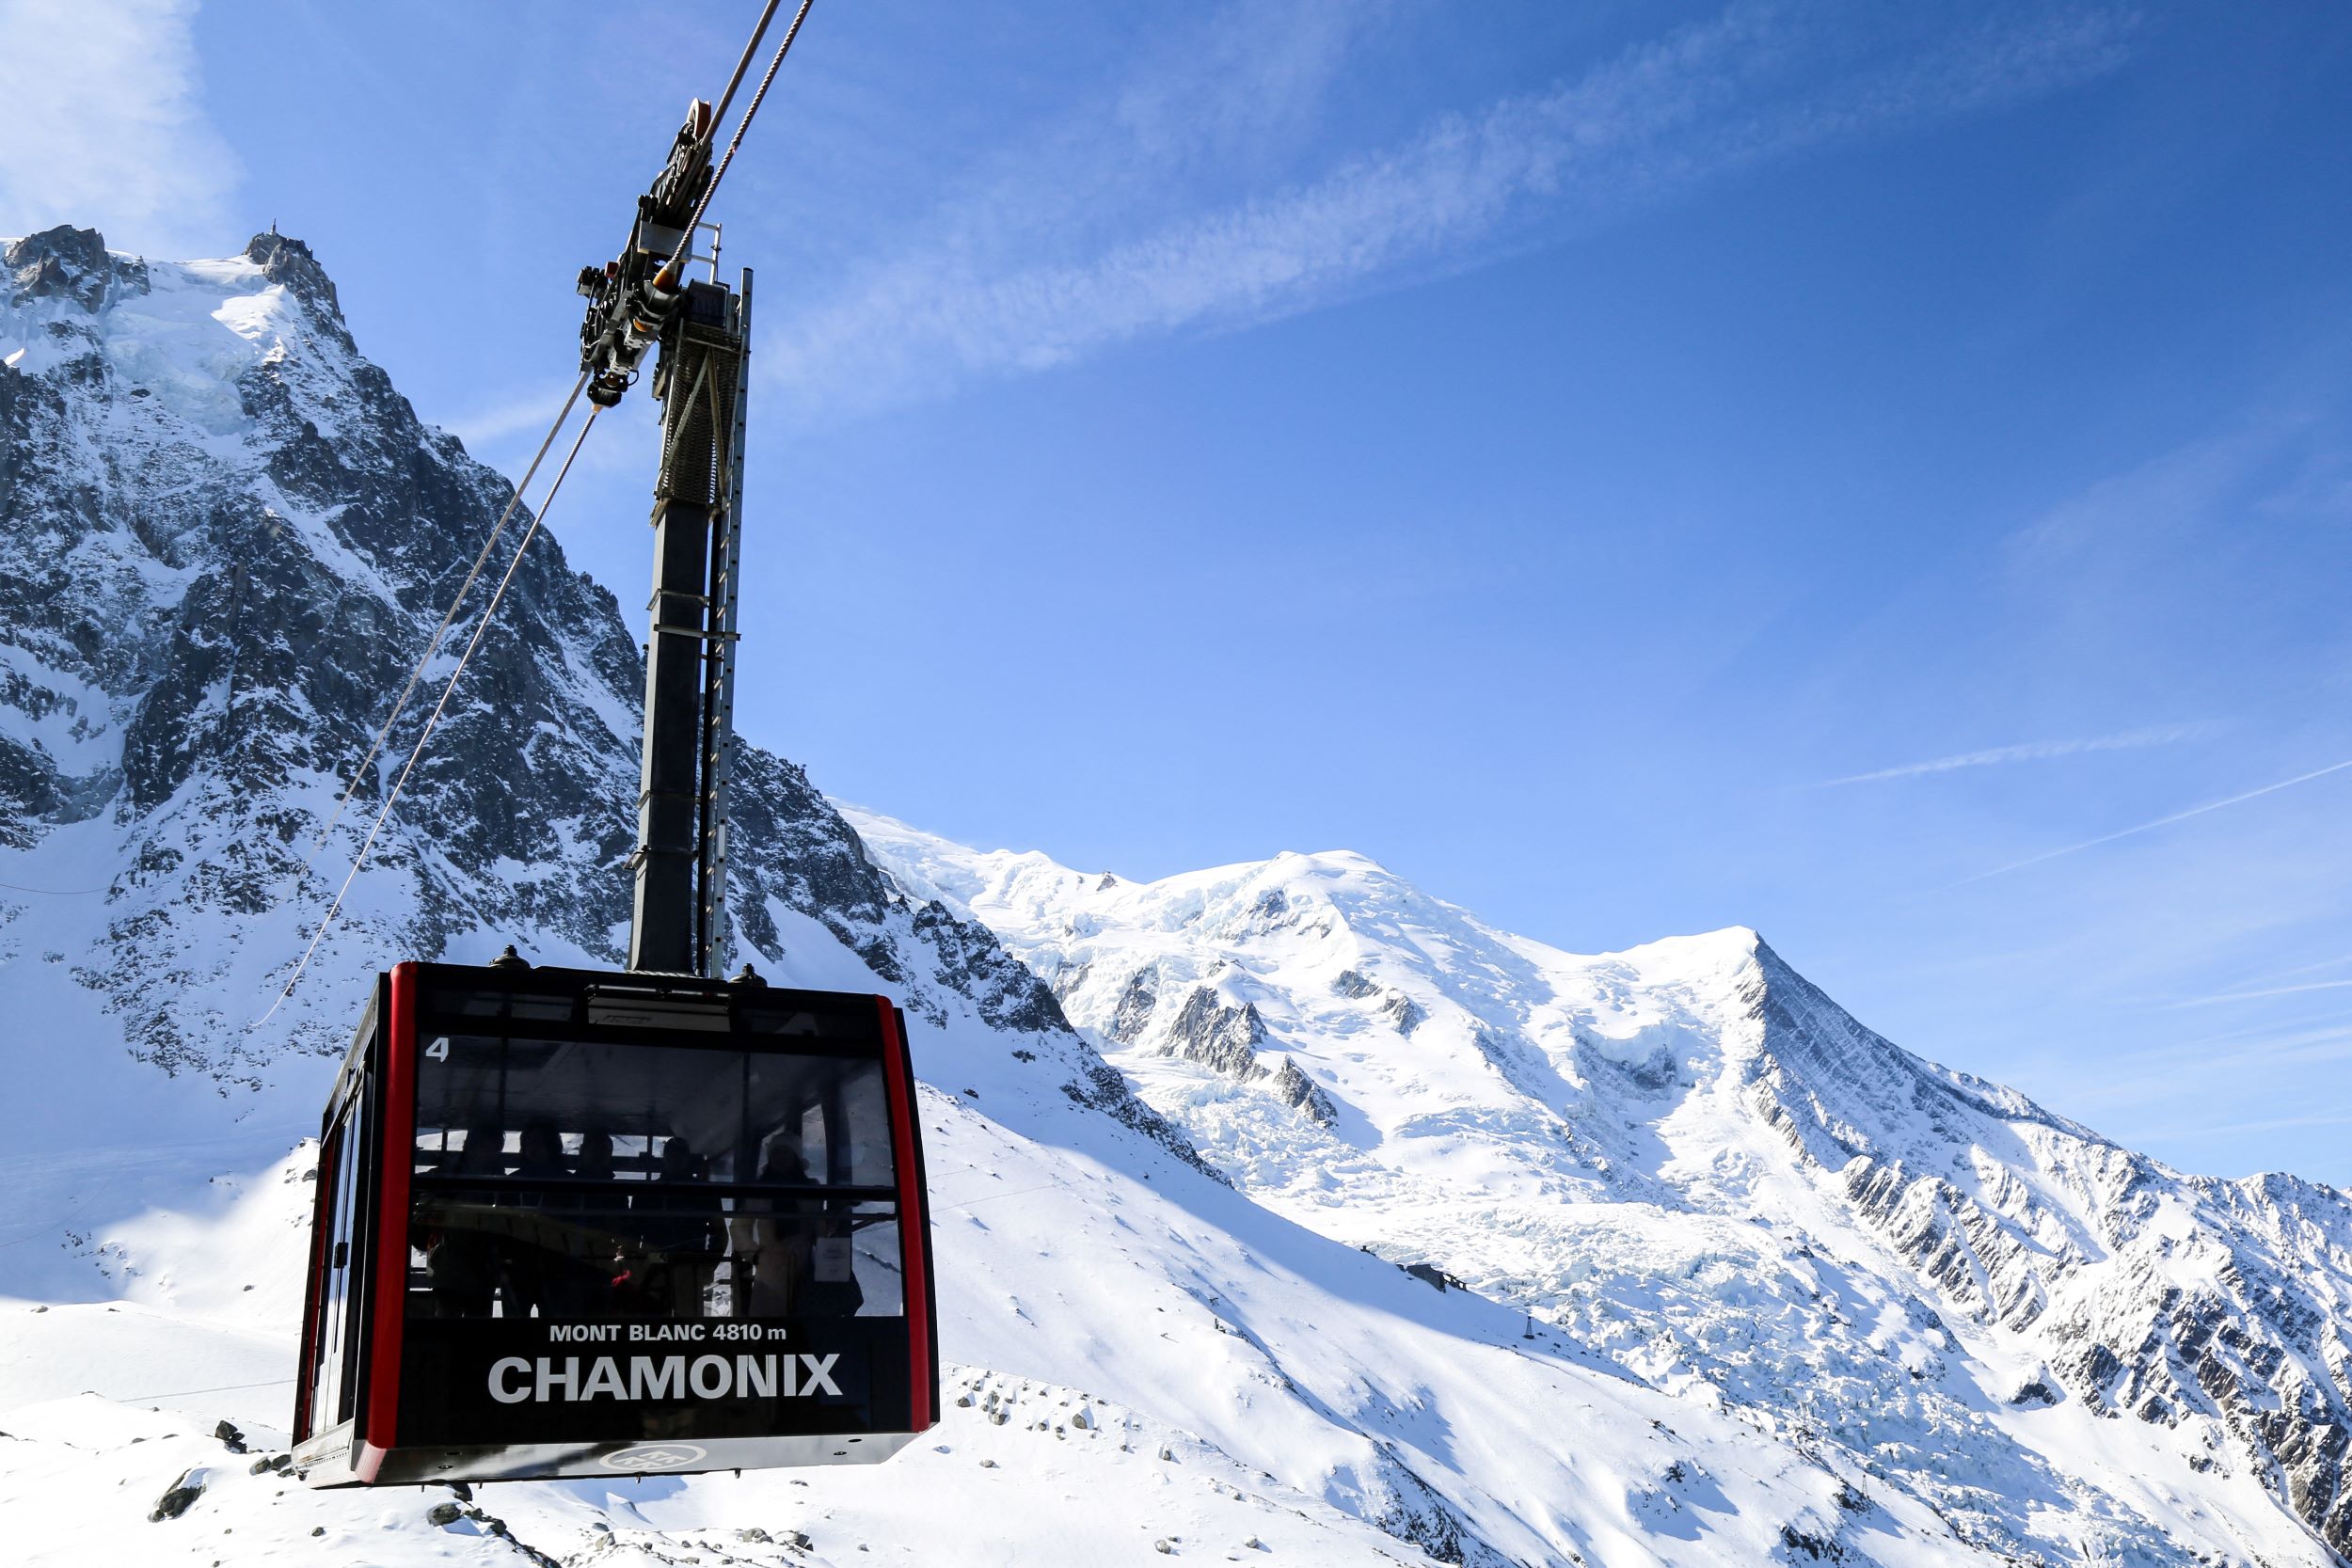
1746, 1283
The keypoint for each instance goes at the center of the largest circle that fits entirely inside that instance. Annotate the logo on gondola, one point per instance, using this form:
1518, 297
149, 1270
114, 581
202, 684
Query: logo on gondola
654, 1456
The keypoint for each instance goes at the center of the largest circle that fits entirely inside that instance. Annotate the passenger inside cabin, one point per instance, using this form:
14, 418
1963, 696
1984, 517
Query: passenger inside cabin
541, 1153
771, 1237
596, 1216
682, 1232
461, 1261
594, 1163
538, 1262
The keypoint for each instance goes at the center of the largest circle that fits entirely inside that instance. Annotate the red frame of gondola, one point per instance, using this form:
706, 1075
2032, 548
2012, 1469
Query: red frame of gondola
391, 1101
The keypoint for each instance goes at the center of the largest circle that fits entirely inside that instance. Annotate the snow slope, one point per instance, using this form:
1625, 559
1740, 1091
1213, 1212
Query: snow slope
222, 535
1239, 1377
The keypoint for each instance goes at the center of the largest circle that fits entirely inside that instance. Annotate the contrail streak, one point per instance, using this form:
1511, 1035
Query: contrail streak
2159, 822
2032, 752
2258, 995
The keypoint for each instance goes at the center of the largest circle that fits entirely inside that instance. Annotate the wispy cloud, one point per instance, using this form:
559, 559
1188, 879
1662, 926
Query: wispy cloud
2159, 822
528, 414
105, 126
1756, 83
2258, 995
2036, 750
2192, 1132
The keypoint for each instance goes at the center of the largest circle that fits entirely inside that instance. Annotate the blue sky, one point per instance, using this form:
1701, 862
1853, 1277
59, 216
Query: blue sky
1880, 474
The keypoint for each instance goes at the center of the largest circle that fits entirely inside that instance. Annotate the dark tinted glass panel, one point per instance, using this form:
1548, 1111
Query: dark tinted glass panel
806, 1024
472, 1002
589, 1180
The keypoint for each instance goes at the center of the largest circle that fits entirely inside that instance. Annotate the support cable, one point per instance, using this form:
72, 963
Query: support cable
433, 643
673, 267
767, 14
393, 797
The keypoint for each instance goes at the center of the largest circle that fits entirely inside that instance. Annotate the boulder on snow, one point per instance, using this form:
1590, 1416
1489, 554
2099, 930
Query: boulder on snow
178, 1497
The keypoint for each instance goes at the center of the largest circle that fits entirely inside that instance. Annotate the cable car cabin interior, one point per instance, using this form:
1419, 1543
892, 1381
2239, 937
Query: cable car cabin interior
573, 1222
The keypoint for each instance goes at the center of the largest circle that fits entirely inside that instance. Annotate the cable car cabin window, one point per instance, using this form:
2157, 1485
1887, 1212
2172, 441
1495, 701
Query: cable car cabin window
597, 1181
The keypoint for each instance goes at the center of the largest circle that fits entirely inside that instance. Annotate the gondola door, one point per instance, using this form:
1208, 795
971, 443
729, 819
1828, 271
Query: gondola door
331, 1388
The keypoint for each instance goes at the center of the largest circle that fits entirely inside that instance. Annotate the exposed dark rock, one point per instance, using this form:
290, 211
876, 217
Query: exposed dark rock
1099, 1087
1133, 1014
1410, 1509
177, 1499
1223, 1037
1813, 1547
1403, 1012
288, 261
1227, 1040
73, 264
1299, 1091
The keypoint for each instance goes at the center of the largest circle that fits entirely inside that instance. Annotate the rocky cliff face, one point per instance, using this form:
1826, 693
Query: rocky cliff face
224, 539
1697, 1160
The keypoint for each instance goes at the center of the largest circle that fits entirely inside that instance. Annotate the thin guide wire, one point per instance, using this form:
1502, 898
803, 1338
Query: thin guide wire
393, 797
433, 643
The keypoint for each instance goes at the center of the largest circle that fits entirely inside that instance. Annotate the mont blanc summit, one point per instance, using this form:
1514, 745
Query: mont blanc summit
1708, 1271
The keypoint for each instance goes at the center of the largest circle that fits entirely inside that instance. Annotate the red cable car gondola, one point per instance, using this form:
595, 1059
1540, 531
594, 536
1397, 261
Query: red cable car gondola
580, 1223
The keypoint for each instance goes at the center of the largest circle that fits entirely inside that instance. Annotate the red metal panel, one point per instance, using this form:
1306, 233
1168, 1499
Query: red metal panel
389, 1285
914, 1255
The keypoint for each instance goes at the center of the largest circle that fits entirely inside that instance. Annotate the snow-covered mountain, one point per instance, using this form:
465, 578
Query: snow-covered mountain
1691, 1158
1751, 1230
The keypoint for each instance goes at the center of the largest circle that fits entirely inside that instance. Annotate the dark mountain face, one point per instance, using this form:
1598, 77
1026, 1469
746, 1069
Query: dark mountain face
224, 539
